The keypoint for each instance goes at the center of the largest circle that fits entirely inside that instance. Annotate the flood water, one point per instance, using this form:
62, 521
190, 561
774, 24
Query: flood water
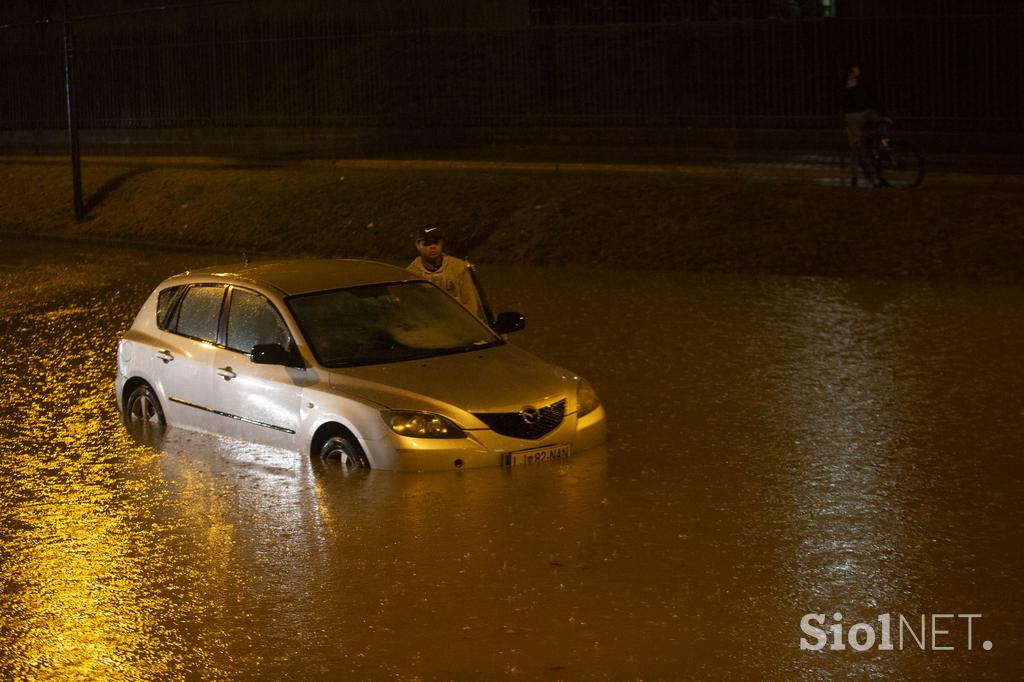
779, 447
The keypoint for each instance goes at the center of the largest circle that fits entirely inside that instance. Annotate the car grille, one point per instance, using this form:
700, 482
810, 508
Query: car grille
513, 425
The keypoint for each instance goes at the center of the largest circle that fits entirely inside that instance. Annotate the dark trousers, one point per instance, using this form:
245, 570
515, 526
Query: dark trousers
856, 125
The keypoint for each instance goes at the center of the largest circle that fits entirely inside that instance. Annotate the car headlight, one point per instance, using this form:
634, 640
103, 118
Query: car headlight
422, 425
586, 398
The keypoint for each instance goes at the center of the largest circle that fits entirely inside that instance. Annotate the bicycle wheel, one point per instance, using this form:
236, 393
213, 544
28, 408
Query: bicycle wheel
899, 165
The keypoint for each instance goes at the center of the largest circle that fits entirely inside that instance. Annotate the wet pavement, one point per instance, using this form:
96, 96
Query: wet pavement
780, 447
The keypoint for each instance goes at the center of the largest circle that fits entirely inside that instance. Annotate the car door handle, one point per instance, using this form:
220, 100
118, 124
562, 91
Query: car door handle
164, 355
227, 373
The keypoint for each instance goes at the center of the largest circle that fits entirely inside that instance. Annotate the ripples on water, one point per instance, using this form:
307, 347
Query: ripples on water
779, 446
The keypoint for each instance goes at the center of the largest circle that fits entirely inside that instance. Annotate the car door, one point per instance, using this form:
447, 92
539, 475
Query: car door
258, 403
187, 351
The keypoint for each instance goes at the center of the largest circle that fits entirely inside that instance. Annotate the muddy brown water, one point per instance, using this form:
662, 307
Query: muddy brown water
779, 447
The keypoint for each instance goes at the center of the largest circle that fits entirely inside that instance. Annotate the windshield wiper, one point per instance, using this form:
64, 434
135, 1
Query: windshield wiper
481, 345
421, 355
437, 352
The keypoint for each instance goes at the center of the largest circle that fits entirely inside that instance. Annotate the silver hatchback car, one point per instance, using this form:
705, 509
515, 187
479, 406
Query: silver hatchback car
353, 360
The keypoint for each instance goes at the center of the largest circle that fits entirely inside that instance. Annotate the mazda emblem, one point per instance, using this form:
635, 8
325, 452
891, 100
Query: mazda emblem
530, 414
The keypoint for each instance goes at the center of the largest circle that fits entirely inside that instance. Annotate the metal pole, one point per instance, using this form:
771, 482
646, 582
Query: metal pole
72, 102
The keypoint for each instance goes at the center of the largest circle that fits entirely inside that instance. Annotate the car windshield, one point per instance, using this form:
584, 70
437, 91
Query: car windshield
387, 323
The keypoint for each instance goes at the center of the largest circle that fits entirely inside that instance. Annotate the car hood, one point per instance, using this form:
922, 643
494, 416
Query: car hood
499, 379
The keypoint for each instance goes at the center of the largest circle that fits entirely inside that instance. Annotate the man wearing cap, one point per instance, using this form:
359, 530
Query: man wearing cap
452, 274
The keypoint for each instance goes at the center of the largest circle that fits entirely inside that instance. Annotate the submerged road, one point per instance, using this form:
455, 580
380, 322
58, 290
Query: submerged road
783, 450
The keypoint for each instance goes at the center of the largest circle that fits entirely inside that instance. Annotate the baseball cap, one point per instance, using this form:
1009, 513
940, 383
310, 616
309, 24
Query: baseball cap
429, 234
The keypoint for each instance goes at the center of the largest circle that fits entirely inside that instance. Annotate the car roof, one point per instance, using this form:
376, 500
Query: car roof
301, 276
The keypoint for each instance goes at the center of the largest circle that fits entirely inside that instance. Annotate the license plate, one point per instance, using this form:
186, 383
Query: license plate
552, 453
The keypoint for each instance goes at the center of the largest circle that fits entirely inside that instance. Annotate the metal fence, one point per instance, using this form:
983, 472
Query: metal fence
208, 69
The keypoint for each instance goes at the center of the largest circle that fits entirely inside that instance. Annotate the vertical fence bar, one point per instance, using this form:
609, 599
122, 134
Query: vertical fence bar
600, 64
71, 98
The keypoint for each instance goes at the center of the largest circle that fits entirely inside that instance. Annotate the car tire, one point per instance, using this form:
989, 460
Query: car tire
346, 451
142, 407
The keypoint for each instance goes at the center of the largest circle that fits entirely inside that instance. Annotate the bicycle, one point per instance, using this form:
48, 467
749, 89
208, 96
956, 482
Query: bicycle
889, 161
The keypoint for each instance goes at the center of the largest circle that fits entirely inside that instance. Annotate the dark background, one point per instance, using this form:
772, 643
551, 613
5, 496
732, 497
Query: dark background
747, 72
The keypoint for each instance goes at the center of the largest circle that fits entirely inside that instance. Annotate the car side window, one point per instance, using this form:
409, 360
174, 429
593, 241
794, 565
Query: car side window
253, 320
164, 301
198, 313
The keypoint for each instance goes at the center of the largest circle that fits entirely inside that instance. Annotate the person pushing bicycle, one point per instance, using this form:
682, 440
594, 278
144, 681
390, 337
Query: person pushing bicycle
862, 110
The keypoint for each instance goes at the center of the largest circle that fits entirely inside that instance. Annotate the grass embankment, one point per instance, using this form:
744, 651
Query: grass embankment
701, 219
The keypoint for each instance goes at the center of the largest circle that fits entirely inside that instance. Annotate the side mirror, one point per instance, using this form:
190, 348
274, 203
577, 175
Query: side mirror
506, 323
275, 354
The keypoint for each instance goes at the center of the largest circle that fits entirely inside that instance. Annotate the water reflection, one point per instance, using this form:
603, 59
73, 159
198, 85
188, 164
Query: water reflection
90, 589
372, 564
778, 446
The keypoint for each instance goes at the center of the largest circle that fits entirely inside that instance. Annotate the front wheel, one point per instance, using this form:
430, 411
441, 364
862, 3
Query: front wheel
346, 451
898, 164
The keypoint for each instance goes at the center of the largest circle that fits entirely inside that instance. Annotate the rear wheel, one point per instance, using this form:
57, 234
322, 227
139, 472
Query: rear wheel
899, 165
346, 451
142, 407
